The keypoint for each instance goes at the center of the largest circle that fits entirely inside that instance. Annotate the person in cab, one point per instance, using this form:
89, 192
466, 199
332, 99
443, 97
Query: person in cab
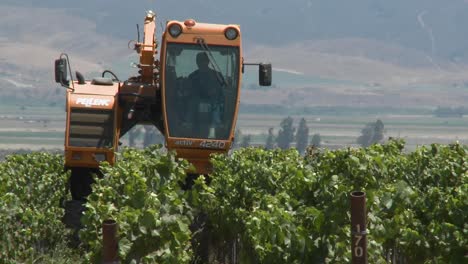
208, 97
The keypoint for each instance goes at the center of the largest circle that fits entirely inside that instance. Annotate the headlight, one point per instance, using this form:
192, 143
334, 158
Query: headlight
175, 30
231, 33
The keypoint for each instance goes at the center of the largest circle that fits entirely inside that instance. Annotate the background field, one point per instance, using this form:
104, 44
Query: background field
42, 127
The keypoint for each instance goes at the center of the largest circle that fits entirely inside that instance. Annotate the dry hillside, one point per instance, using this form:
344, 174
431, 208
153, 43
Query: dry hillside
32, 38
368, 72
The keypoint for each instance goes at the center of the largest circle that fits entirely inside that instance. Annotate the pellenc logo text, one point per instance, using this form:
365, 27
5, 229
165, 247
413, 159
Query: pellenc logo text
89, 102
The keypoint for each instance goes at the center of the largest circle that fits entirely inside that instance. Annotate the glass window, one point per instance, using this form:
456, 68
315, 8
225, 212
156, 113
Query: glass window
201, 90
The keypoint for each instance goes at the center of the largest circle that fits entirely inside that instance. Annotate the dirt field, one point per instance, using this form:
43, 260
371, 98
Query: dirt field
415, 129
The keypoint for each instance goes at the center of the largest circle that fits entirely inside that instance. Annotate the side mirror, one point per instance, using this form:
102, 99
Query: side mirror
61, 71
264, 74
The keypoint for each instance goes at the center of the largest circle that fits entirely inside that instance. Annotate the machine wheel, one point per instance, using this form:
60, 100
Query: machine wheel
73, 211
80, 182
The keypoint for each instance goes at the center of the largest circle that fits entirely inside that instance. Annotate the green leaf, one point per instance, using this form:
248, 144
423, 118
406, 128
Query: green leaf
124, 247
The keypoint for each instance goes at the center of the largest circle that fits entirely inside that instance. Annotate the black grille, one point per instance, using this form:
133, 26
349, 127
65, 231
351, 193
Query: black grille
91, 128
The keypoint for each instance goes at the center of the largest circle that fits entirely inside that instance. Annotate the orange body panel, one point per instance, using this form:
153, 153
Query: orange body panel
89, 88
143, 89
212, 33
90, 97
200, 158
87, 156
148, 50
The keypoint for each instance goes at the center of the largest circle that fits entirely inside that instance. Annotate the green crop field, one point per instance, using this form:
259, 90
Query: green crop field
261, 206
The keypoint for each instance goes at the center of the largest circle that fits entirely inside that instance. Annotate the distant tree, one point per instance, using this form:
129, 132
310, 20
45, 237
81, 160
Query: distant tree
44, 121
372, 133
237, 138
450, 111
245, 141
316, 140
302, 136
367, 134
152, 136
378, 131
270, 141
132, 136
286, 133
148, 136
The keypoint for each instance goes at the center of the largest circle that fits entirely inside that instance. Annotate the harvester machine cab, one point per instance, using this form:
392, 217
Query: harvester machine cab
201, 70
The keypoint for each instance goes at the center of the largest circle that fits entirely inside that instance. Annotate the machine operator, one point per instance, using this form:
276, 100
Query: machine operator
208, 98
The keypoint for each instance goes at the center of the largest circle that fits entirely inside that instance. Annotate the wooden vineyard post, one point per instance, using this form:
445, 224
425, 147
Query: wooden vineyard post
358, 228
109, 242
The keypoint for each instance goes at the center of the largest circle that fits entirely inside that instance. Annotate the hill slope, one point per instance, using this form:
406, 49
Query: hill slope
349, 47
432, 26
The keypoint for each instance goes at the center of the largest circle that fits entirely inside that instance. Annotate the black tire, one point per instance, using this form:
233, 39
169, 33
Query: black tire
80, 182
73, 211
